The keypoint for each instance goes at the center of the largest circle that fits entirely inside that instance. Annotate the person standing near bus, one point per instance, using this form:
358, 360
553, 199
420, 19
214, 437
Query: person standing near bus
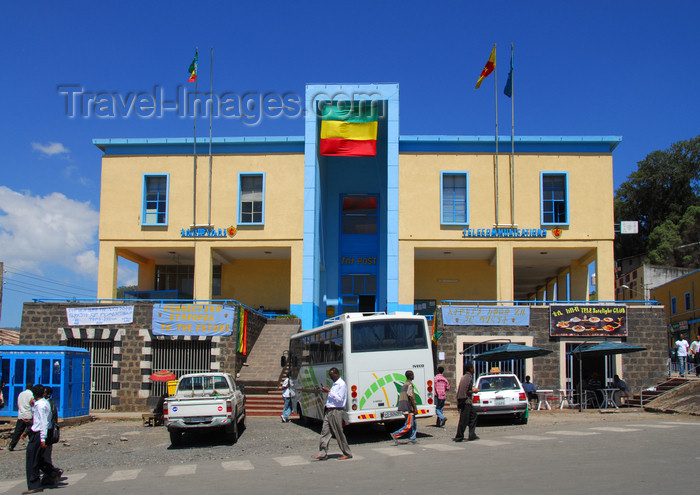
287, 394
333, 417
442, 385
407, 405
467, 414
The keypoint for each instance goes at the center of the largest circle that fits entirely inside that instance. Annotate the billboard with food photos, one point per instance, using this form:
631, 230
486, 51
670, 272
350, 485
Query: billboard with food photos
588, 320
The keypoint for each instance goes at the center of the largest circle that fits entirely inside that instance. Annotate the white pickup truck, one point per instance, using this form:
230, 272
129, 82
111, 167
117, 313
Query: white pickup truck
204, 401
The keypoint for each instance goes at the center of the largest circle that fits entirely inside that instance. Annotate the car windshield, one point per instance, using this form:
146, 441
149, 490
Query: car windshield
497, 383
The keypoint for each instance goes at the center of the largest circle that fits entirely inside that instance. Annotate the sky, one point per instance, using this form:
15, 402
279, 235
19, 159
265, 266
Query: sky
595, 68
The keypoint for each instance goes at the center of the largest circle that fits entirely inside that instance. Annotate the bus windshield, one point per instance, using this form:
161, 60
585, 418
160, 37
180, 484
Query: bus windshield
387, 335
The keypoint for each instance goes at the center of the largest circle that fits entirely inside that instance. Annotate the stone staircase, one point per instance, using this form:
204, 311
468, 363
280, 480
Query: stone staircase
662, 388
262, 373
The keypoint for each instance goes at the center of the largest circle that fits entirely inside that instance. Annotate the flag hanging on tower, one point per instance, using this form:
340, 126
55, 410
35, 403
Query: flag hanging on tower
488, 68
193, 67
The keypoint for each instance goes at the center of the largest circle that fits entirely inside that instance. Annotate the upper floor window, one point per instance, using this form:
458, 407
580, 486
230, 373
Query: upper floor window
687, 301
155, 199
554, 191
674, 306
251, 198
454, 194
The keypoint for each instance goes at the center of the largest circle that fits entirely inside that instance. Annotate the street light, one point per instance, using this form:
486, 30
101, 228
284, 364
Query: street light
643, 294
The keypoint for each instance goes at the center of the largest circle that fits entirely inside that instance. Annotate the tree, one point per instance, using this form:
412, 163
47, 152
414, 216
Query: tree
662, 189
122, 288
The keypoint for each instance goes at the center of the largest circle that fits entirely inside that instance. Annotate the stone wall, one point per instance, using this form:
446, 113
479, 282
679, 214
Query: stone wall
47, 324
646, 326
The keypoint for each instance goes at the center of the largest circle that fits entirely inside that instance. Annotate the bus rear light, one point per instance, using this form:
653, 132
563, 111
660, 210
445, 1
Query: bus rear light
430, 389
430, 400
354, 407
353, 394
430, 383
353, 388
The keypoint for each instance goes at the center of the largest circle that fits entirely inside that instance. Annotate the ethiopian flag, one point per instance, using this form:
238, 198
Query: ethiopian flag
193, 67
242, 331
488, 68
349, 129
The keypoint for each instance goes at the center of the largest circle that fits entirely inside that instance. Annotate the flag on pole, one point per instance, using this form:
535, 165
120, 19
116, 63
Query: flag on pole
242, 331
488, 68
508, 90
193, 67
349, 129
435, 334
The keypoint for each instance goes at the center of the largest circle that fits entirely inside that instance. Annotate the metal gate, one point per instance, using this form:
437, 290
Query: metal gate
180, 357
101, 360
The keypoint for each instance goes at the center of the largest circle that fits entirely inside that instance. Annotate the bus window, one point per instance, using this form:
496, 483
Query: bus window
388, 335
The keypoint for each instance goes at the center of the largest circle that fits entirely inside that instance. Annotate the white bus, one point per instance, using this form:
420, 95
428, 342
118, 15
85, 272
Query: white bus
372, 353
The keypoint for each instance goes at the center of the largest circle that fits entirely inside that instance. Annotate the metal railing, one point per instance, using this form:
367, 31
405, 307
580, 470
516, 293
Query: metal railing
450, 302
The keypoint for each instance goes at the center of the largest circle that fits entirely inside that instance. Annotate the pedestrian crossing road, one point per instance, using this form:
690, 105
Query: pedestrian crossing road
361, 454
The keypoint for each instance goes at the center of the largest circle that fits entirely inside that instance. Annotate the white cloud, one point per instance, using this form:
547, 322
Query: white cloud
36, 232
50, 149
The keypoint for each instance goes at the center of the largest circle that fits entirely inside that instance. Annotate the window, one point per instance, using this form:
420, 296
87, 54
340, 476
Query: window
359, 214
388, 336
454, 198
554, 190
674, 307
155, 200
687, 301
251, 195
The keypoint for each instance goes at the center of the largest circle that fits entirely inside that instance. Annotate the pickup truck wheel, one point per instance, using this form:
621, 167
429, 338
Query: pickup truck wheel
241, 423
231, 433
175, 437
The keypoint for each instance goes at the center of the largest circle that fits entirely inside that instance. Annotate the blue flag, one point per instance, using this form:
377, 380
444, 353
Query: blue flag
508, 90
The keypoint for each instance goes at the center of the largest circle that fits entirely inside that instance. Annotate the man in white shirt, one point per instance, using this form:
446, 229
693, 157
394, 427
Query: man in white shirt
287, 394
695, 351
682, 352
333, 417
41, 411
24, 415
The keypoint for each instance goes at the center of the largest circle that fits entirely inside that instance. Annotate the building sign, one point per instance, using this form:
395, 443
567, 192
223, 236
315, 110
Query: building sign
507, 233
193, 319
207, 232
107, 315
588, 320
486, 315
679, 326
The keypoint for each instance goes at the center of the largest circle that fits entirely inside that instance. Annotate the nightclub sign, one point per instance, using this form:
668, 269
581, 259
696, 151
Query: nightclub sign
588, 320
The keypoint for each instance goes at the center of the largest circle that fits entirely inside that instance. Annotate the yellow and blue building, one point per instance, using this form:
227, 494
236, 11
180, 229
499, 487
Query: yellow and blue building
272, 222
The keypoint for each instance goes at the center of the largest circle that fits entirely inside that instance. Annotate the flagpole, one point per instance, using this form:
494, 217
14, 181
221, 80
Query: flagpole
495, 93
211, 113
194, 151
512, 142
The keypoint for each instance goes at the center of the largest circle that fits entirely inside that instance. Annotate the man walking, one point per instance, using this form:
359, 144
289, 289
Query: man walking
442, 385
407, 405
682, 353
695, 351
37, 441
467, 415
24, 415
333, 417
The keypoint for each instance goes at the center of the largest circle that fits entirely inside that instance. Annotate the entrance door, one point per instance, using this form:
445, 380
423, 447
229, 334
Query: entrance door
101, 360
359, 253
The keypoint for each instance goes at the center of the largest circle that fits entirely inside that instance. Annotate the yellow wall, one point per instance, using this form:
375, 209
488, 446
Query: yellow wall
257, 282
122, 191
678, 288
476, 280
590, 193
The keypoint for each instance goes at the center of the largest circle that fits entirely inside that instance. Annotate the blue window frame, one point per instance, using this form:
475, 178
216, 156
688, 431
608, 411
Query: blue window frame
251, 198
155, 199
554, 192
454, 198
674, 306
687, 301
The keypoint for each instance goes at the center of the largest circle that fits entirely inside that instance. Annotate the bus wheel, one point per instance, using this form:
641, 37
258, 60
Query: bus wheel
305, 420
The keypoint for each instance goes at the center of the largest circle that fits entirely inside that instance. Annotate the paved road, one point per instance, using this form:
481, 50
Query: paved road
628, 453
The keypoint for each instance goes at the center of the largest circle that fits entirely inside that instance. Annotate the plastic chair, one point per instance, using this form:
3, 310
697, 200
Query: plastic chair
590, 397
